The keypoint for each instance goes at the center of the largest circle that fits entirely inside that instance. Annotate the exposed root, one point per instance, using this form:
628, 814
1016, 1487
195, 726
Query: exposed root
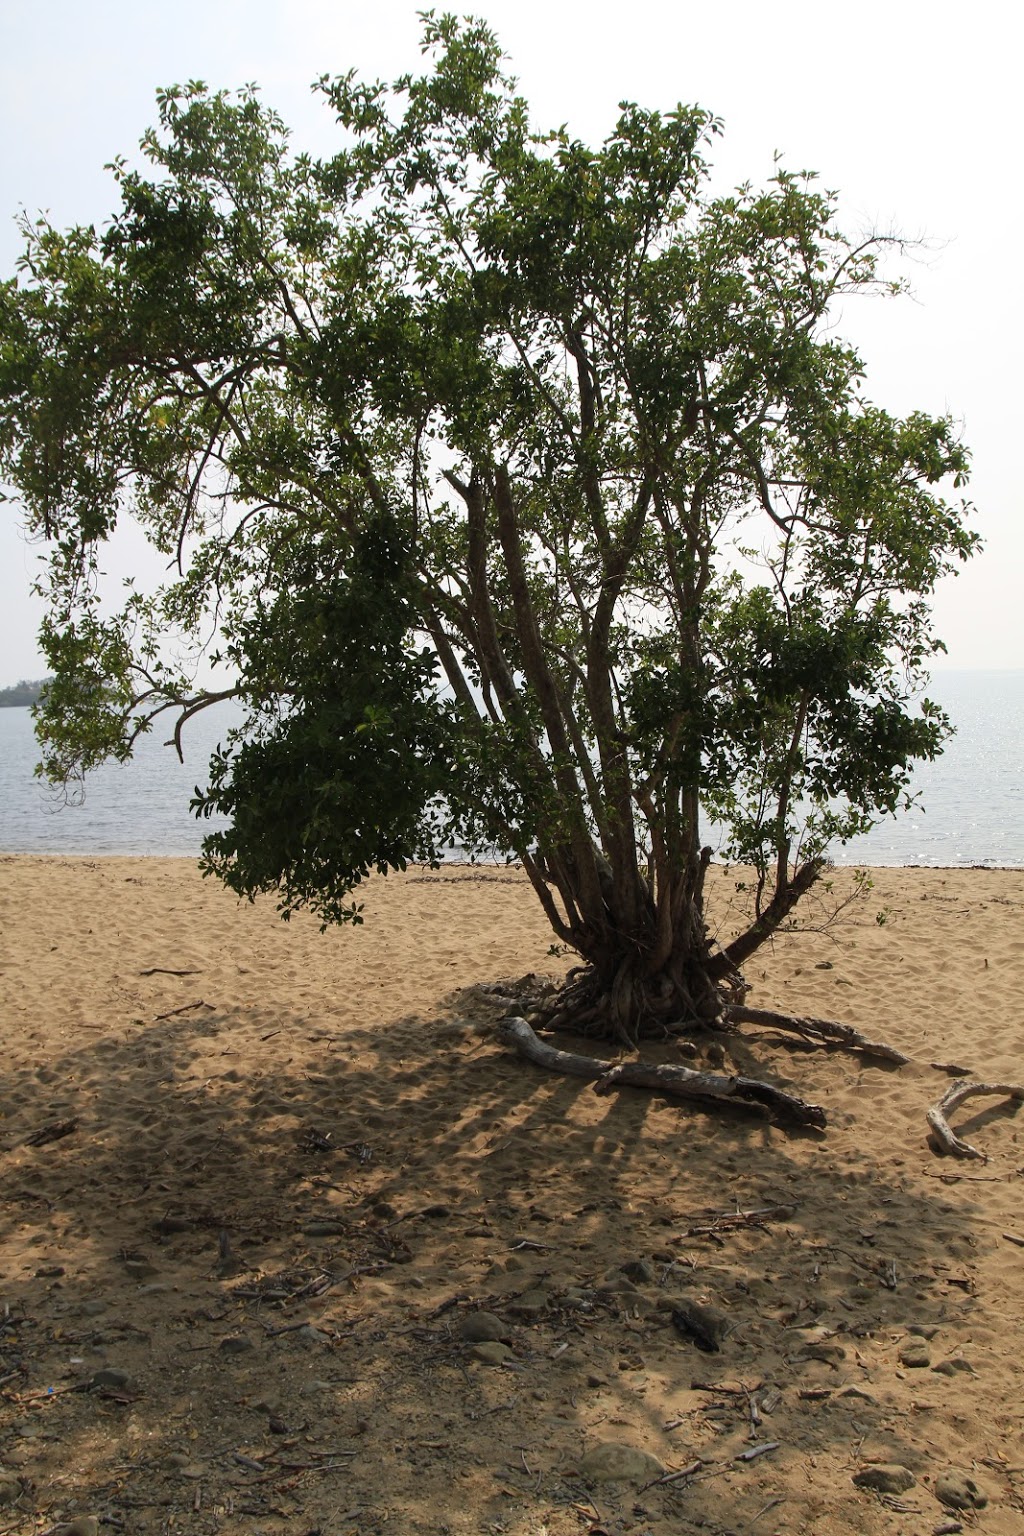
679, 1082
954, 1096
823, 1032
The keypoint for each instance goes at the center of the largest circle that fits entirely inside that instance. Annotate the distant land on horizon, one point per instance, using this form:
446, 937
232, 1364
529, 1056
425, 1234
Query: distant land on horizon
25, 692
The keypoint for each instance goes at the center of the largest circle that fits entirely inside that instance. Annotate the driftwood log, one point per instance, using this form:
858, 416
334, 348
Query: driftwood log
955, 1095
821, 1032
679, 1082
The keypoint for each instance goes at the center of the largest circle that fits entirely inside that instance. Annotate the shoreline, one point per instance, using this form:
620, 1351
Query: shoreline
193, 858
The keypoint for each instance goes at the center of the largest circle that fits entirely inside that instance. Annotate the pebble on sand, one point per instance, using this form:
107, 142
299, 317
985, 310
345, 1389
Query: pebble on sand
890, 1478
614, 1463
957, 1490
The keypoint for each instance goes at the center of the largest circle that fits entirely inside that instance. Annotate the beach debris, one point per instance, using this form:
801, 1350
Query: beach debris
676, 1081
820, 1032
725, 1221
958, 1490
55, 1130
1014, 1237
952, 1099
754, 1451
185, 1008
163, 970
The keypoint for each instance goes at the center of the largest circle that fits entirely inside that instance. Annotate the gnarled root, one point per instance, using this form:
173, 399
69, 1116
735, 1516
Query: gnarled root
679, 1082
823, 1032
954, 1096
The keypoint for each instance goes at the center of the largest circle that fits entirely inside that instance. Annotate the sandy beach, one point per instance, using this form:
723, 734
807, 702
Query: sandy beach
260, 1185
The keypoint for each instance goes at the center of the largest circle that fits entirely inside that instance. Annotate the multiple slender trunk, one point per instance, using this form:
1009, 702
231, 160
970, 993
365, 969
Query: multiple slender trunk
617, 865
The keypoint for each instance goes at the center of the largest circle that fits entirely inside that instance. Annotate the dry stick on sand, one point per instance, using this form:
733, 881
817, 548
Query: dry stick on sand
680, 1082
823, 1032
955, 1095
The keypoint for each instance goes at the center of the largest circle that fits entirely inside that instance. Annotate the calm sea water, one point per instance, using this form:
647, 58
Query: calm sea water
971, 809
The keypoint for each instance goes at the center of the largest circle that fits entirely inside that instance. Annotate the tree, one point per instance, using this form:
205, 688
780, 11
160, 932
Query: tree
525, 491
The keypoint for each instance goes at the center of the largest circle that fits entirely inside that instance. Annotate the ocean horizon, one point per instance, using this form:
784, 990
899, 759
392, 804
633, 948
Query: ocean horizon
969, 803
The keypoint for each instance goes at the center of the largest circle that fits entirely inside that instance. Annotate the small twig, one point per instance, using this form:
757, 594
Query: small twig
1012, 1237
162, 970
55, 1131
726, 1220
185, 1008
766, 1507
673, 1477
721, 1386
758, 1450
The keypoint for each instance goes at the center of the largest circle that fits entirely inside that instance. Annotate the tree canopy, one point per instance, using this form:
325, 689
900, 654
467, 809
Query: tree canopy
523, 491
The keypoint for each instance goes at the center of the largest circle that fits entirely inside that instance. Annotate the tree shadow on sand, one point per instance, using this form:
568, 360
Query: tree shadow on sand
237, 1292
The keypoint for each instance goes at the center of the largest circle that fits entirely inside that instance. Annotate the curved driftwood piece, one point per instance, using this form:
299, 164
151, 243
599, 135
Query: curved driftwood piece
954, 1096
680, 1082
815, 1031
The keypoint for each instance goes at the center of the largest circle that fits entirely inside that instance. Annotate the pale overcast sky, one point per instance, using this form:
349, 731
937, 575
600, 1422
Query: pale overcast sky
910, 110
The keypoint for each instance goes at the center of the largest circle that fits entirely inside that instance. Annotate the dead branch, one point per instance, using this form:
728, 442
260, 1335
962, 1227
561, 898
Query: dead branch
954, 1096
679, 1082
822, 1032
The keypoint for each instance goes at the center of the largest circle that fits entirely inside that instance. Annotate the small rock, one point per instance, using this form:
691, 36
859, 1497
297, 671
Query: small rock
612, 1463
490, 1352
640, 1271
178, 1459
10, 1489
885, 1479
170, 1226
155, 1288
113, 1379
481, 1327
923, 1330
957, 1490
236, 1344
714, 1054
94, 1306
195, 1471
51, 1272
823, 1350
953, 1366
705, 1325
531, 1304
140, 1269
82, 1525
914, 1355
324, 1228
855, 1394
618, 1285
308, 1336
